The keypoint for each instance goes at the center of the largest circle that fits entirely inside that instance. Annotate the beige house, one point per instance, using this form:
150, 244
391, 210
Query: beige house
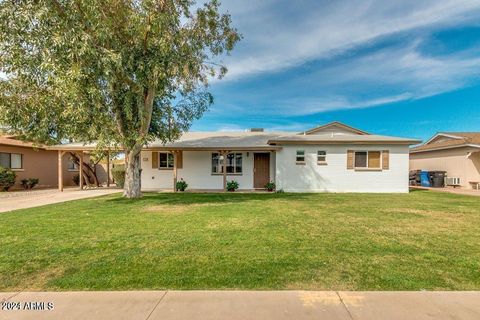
30, 161
457, 153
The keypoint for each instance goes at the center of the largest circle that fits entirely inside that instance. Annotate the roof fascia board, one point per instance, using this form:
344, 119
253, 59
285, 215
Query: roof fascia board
447, 147
290, 142
443, 135
166, 148
337, 123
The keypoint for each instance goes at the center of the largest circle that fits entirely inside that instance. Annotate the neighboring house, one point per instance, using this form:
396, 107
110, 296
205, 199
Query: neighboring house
36, 161
329, 158
30, 161
457, 153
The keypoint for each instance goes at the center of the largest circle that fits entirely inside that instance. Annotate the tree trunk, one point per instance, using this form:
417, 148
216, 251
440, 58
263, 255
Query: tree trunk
88, 173
132, 187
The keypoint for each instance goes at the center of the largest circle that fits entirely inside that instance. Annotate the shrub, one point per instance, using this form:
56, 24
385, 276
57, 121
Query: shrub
118, 174
270, 186
232, 185
181, 185
76, 179
29, 183
7, 178
280, 191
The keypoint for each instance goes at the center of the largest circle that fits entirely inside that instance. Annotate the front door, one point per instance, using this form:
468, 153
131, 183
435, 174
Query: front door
261, 170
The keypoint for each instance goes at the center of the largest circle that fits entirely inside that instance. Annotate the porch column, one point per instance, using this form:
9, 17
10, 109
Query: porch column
224, 165
108, 168
60, 171
80, 173
175, 158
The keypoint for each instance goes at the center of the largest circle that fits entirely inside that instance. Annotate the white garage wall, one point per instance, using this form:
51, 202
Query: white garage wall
334, 177
196, 172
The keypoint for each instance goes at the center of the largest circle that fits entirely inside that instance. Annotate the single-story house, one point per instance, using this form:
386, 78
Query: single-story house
37, 161
330, 158
30, 161
457, 153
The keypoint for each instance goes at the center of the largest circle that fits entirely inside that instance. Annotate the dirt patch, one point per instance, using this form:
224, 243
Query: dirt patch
426, 213
40, 280
175, 209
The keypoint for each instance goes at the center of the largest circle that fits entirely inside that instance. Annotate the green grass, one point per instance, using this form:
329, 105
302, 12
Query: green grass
421, 240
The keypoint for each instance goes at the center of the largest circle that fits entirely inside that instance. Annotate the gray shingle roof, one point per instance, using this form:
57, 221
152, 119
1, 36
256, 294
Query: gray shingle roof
341, 138
221, 140
251, 141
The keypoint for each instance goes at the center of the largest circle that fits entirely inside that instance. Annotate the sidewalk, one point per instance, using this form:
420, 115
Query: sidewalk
28, 199
244, 305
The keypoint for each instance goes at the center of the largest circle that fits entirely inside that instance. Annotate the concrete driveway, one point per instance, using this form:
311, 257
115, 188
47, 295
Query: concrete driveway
244, 305
28, 199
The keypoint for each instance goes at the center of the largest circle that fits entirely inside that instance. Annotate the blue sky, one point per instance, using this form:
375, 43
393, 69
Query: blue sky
408, 68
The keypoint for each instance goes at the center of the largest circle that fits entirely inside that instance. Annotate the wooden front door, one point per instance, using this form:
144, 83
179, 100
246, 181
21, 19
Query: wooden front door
261, 170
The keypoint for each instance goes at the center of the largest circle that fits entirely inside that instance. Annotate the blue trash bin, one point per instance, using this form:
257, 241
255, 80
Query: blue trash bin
425, 179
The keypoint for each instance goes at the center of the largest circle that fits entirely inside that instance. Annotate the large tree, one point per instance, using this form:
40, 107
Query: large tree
118, 72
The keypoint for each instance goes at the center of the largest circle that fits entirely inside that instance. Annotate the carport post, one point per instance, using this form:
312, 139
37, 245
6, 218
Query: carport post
224, 169
108, 168
80, 173
60, 170
175, 158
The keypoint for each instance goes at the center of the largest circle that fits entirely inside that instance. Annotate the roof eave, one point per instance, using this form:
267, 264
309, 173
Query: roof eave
444, 135
361, 132
316, 142
232, 148
446, 147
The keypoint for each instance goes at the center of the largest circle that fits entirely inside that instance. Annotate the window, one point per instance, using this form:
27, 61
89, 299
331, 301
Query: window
234, 163
368, 159
300, 156
321, 156
166, 160
72, 166
11, 160
361, 159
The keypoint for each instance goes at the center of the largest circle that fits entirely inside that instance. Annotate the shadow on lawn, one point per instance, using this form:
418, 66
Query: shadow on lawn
203, 198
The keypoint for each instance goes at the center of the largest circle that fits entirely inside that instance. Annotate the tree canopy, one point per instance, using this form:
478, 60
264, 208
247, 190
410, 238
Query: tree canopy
122, 72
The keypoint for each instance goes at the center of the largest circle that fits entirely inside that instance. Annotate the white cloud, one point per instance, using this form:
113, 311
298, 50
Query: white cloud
384, 76
279, 34
306, 106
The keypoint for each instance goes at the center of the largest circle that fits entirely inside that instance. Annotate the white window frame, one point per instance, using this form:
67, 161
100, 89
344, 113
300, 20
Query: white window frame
299, 155
72, 166
368, 160
10, 160
321, 158
220, 164
169, 166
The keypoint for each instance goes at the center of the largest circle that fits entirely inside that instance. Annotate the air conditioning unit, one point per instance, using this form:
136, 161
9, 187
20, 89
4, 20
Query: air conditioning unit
450, 181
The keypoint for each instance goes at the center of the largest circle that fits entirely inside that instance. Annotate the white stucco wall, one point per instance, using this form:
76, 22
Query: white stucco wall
196, 172
334, 177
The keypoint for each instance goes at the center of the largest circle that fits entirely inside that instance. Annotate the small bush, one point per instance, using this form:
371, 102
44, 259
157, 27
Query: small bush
232, 185
181, 185
29, 183
280, 191
76, 179
7, 179
270, 186
118, 174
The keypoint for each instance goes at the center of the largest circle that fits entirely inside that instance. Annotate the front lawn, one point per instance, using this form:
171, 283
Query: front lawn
421, 240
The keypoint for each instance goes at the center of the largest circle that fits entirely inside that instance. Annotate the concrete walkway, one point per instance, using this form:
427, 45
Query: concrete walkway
28, 199
243, 305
